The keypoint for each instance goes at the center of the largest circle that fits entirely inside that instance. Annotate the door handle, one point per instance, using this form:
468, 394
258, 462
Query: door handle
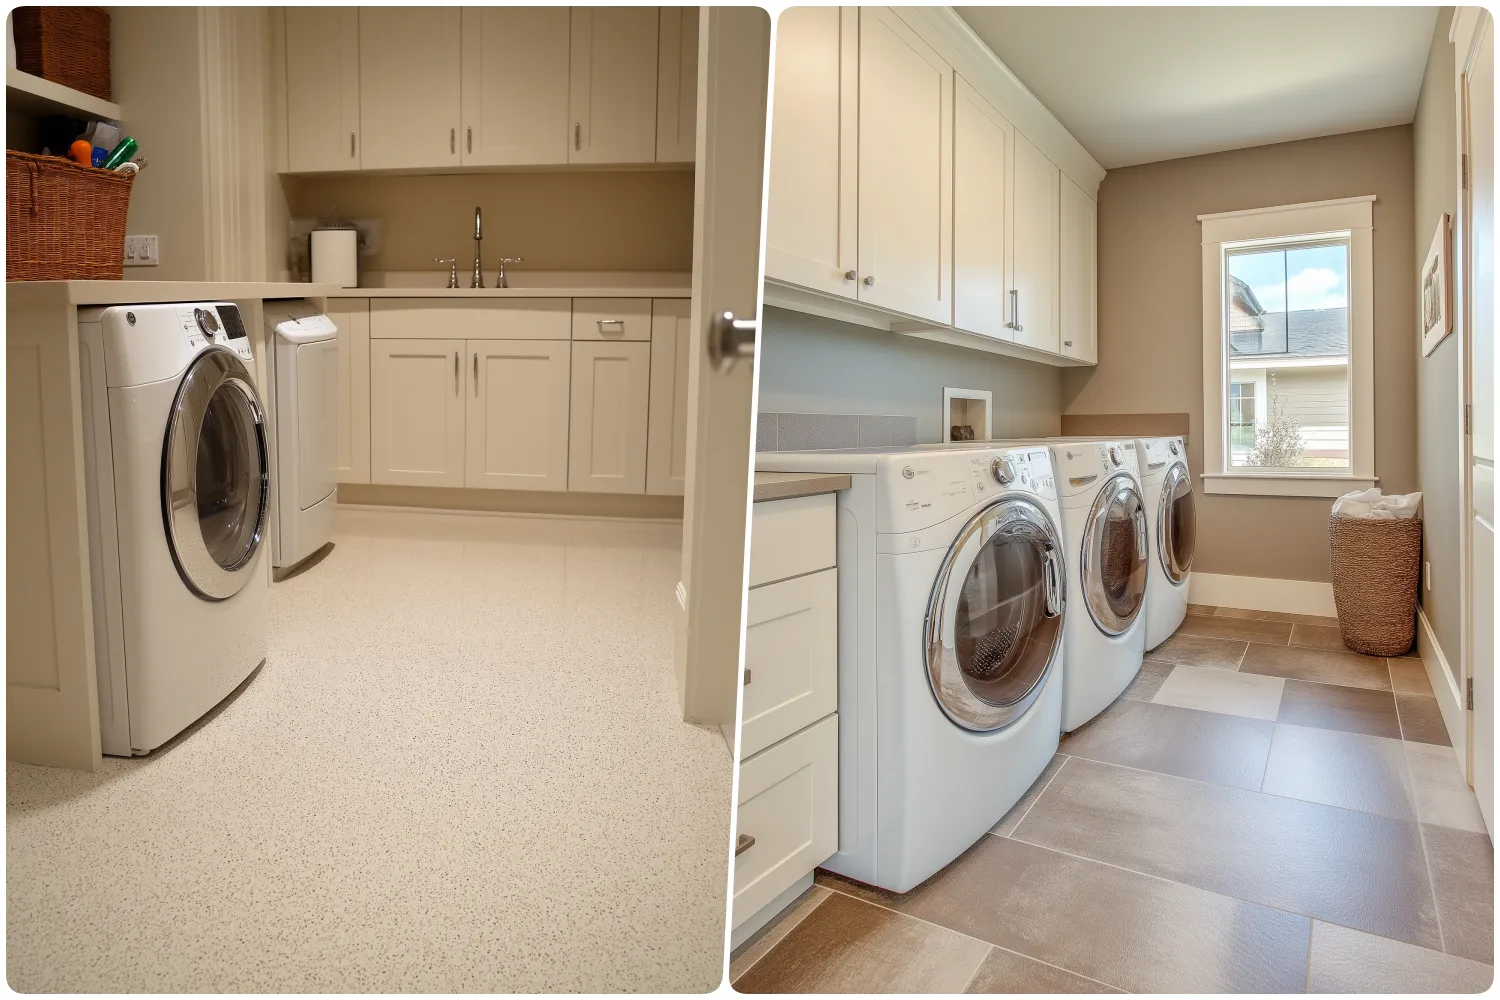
1053, 579
476, 373
743, 844
730, 339
469, 138
455, 373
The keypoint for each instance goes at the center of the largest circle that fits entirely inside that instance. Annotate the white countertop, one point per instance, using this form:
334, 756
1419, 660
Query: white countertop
591, 292
43, 294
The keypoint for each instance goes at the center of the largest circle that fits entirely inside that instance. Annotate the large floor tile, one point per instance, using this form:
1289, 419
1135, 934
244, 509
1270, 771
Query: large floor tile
1354, 868
1463, 876
1330, 706
1443, 797
1276, 616
1228, 692
1317, 636
1326, 666
1340, 769
847, 945
1201, 609
1409, 675
1148, 680
1007, 972
1422, 720
1349, 961
1009, 820
1226, 749
1123, 928
1200, 651
770, 936
1252, 630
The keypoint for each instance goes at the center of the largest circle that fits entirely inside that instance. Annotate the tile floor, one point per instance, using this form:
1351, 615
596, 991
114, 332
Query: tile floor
462, 768
1261, 811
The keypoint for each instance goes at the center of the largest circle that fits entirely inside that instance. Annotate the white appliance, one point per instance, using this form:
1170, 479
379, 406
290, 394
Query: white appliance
1172, 523
304, 392
951, 595
177, 477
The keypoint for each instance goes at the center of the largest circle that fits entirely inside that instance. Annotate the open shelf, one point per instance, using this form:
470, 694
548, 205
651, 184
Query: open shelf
32, 94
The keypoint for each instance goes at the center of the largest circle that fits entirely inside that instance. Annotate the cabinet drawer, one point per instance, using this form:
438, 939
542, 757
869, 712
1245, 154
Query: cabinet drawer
611, 319
789, 805
470, 319
791, 537
791, 658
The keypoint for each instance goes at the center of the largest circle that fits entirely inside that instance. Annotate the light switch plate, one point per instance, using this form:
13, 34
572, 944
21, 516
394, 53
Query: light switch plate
140, 251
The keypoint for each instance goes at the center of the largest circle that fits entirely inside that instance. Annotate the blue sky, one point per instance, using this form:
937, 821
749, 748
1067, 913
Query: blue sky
1316, 277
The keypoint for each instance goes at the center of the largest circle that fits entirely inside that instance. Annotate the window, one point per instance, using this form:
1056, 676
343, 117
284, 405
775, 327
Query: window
1288, 339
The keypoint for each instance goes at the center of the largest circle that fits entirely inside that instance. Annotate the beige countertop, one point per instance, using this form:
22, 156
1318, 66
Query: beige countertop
561, 292
788, 485
43, 294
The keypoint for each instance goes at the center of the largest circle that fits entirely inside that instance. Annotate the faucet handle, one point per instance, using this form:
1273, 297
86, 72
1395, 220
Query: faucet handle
452, 263
500, 278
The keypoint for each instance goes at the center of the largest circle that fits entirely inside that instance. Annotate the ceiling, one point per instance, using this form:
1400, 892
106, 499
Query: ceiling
1140, 84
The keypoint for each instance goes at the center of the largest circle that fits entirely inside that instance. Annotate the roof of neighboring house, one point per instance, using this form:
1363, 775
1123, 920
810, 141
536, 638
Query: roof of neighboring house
1243, 296
1315, 333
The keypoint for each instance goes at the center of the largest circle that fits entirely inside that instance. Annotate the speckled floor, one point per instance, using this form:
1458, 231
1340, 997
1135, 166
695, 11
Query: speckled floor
461, 768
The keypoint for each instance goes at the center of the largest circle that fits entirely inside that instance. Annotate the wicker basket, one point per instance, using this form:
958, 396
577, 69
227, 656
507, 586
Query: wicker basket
63, 220
67, 45
1376, 565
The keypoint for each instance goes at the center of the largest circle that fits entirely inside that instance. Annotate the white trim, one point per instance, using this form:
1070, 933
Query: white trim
1331, 202
681, 592
1444, 688
1290, 485
760, 918
1260, 593
1255, 362
459, 513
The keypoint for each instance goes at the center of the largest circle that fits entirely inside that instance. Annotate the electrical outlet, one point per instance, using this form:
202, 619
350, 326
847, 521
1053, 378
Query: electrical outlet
1427, 575
140, 251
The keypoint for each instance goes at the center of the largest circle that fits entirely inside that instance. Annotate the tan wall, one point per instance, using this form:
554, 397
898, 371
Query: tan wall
1435, 143
559, 221
1151, 319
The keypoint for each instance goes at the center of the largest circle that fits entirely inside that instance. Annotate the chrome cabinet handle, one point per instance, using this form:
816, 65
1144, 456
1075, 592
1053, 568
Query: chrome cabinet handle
455, 373
469, 138
1015, 310
731, 339
351, 143
743, 844
849, 275
747, 675
869, 279
453, 140
577, 135
476, 373
611, 322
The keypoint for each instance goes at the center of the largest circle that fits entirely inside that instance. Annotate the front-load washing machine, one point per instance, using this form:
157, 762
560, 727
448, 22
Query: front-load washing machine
1172, 523
178, 486
952, 588
304, 373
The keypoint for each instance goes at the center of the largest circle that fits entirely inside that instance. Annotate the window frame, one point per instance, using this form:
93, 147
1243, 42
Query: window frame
1286, 223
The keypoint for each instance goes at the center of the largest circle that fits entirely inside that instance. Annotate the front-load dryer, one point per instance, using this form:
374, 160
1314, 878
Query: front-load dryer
952, 587
1172, 526
177, 482
304, 372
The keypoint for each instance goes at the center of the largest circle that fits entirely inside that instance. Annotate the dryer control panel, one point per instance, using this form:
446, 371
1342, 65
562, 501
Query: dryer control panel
1084, 465
1156, 455
918, 490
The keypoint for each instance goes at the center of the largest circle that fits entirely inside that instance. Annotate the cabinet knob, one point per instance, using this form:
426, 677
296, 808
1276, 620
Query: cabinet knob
869, 279
849, 275
1067, 343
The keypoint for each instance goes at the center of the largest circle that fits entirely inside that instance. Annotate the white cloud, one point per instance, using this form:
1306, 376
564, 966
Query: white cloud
1310, 288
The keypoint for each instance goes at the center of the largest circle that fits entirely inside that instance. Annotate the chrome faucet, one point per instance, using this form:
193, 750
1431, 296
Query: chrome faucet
477, 281
500, 281
452, 263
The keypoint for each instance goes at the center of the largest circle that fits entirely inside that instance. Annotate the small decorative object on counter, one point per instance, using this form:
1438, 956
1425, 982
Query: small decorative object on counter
334, 249
1375, 547
63, 220
121, 153
67, 45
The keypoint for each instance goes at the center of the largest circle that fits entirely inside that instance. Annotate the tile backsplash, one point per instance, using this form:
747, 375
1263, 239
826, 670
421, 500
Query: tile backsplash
825, 431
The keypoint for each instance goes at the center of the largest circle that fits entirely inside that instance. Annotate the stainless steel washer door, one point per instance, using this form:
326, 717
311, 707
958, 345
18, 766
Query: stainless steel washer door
1114, 557
215, 476
994, 622
1176, 524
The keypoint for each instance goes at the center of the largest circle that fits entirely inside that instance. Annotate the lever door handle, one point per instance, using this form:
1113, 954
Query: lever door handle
730, 339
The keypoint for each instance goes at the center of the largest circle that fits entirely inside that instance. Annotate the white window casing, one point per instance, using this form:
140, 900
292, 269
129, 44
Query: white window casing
1288, 222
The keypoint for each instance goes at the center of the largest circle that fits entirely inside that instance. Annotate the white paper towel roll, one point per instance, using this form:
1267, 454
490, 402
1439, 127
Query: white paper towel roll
335, 257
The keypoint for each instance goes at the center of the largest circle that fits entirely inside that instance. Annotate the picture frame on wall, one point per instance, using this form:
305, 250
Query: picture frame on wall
1435, 290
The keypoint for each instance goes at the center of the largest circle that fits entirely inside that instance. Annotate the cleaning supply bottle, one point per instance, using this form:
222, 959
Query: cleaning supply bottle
124, 151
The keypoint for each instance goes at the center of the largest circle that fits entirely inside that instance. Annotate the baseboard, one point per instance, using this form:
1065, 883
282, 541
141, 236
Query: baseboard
1261, 593
1445, 688
742, 933
630, 507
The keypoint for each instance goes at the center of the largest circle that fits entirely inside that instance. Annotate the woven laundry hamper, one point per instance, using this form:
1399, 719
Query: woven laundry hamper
1376, 566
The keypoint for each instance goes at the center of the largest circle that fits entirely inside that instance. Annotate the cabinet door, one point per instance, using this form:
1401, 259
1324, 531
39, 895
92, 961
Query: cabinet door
417, 412
1036, 256
811, 221
352, 317
677, 86
322, 88
981, 214
1078, 283
515, 86
791, 658
905, 170
409, 86
516, 434
612, 89
666, 432
608, 415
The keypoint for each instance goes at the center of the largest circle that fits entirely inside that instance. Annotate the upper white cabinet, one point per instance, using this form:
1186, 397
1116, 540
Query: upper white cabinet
666, 429
515, 86
1035, 287
516, 434
409, 86
982, 144
612, 89
322, 83
1079, 281
677, 86
812, 223
417, 412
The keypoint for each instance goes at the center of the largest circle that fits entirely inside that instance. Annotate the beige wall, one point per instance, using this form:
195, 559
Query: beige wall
813, 365
1434, 157
580, 220
1151, 319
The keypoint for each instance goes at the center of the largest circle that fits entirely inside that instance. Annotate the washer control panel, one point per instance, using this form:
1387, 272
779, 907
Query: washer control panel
1083, 466
217, 323
1156, 454
924, 489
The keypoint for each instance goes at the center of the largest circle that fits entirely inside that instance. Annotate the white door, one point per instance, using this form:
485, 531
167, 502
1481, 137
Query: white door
608, 415
409, 86
1078, 281
352, 317
417, 412
905, 170
322, 88
981, 214
515, 86
734, 47
516, 433
1034, 305
812, 226
666, 432
612, 94
677, 85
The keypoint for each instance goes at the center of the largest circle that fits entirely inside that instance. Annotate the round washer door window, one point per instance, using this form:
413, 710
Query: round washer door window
215, 476
1176, 524
1114, 556
994, 623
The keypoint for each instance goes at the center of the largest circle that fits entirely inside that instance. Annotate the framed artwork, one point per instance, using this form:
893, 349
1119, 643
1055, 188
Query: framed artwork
1436, 290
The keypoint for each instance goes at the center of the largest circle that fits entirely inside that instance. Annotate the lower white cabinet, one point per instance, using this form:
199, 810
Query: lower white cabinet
791, 643
352, 317
609, 414
516, 434
666, 430
417, 412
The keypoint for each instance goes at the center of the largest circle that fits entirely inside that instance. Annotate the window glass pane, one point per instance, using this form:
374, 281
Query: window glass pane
1287, 320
